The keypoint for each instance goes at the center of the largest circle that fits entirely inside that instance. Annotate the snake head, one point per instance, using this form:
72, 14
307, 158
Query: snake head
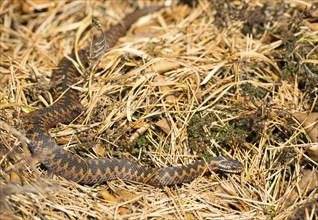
225, 164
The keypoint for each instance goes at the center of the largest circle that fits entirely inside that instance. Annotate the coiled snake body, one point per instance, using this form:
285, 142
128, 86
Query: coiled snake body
87, 170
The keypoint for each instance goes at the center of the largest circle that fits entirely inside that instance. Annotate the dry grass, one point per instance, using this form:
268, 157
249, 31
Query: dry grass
184, 83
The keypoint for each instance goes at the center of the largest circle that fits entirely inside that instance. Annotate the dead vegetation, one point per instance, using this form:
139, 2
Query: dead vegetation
218, 79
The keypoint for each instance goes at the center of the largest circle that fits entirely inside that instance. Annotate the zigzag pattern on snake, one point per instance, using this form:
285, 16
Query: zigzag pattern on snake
88, 170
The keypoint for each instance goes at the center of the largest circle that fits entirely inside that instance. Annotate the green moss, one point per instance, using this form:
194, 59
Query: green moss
198, 138
248, 89
142, 141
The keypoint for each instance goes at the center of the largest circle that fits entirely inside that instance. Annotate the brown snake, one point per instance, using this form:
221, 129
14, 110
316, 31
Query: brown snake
88, 170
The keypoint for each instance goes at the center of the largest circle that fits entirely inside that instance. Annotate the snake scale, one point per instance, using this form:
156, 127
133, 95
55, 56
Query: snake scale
87, 170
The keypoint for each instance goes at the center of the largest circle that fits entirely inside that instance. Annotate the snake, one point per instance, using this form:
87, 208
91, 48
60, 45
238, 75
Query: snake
84, 170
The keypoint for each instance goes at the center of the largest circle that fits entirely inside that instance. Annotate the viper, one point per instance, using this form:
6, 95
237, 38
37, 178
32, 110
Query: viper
88, 170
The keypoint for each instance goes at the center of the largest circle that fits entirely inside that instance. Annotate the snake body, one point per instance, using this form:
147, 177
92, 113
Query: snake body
87, 170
